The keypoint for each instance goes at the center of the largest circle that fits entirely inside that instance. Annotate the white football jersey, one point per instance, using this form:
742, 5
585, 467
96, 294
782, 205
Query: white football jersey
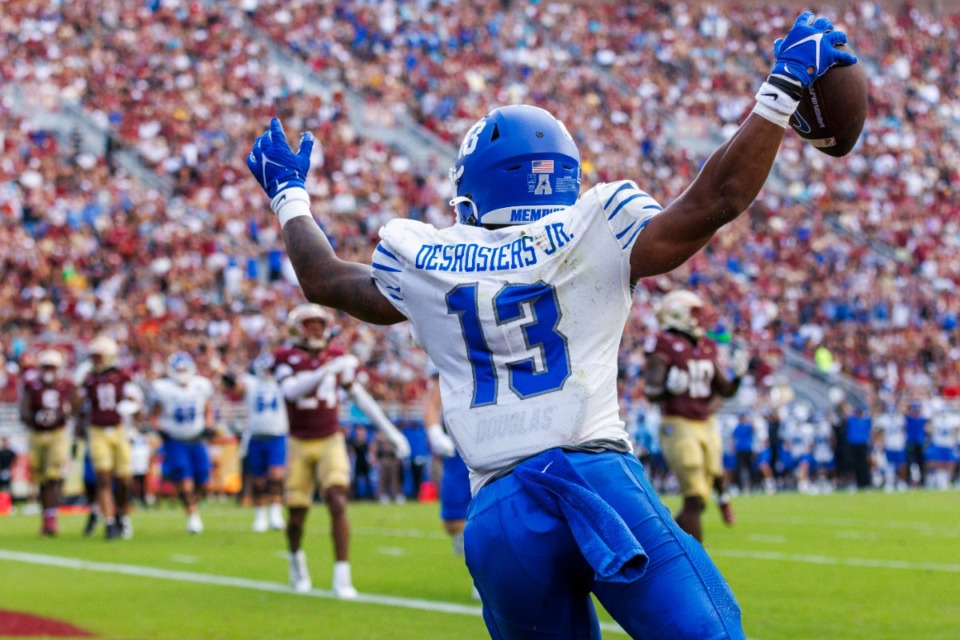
894, 431
944, 428
182, 417
266, 409
523, 322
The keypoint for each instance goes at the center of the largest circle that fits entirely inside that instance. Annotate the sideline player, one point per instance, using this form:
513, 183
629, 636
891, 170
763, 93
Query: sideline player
521, 306
310, 372
105, 396
683, 374
265, 437
182, 411
45, 407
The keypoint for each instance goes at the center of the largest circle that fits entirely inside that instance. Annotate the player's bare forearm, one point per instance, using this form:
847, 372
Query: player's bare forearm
729, 181
726, 387
332, 282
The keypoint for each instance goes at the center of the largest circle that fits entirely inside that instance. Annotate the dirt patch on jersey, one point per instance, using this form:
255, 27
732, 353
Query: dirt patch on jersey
14, 624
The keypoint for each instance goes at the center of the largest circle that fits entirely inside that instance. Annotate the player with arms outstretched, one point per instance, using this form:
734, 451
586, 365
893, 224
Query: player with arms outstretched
683, 374
310, 372
521, 306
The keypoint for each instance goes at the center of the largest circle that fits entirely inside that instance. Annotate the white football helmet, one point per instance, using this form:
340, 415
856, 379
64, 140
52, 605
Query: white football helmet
310, 335
181, 367
104, 352
676, 311
50, 362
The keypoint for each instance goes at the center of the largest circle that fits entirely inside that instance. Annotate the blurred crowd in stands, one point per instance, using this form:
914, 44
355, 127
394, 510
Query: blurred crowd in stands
854, 260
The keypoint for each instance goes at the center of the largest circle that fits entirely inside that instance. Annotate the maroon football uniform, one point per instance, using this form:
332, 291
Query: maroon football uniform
103, 390
47, 405
316, 415
700, 361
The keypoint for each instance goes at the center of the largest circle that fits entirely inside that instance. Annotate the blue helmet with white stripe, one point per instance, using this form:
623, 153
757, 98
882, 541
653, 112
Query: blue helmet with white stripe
516, 165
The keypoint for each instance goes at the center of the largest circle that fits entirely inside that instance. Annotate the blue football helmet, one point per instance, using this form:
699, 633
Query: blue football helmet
516, 165
263, 365
181, 367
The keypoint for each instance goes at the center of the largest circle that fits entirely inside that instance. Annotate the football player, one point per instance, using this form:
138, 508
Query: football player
311, 371
890, 437
45, 407
182, 412
106, 394
521, 305
684, 375
941, 455
265, 438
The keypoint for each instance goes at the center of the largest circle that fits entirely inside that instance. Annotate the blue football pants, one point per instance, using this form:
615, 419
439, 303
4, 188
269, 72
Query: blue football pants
535, 583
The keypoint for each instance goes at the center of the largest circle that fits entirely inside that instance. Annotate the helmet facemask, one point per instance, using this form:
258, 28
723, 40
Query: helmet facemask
679, 310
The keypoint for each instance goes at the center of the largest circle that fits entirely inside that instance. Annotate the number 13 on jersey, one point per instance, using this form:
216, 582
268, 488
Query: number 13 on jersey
529, 376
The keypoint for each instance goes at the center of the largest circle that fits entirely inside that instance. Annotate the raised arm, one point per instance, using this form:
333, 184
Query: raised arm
324, 278
734, 174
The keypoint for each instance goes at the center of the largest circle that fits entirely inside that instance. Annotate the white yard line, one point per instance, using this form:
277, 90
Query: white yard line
776, 556
244, 583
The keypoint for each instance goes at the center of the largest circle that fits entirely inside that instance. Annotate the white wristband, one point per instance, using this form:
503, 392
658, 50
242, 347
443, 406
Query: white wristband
775, 105
291, 203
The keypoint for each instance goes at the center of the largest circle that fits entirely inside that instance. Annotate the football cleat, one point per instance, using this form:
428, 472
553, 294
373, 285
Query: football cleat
112, 531
342, 582
299, 576
260, 523
92, 521
49, 526
726, 512
277, 523
194, 524
126, 527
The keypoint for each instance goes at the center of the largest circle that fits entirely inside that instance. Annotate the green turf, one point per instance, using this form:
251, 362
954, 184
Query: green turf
840, 566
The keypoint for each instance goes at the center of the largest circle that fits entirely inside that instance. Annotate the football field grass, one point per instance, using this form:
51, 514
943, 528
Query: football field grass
845, 566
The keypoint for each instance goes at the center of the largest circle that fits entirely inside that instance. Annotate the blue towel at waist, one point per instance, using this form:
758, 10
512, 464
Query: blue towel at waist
606, 542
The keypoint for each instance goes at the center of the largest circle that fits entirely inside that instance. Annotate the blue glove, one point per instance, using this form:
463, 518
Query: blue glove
806, 54
274, 164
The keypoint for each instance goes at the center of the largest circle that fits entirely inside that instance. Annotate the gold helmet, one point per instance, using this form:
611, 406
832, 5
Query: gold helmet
307, 335
676, 311
104, 352
50, 362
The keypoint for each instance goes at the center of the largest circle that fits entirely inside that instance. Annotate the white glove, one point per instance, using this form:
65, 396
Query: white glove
740, 362
400, 442
440, 443
678, 381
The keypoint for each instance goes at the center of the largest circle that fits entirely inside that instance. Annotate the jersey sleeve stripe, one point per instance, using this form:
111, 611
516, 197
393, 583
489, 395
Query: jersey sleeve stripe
635, 233
383, 267
624, 186
385, 252
624, 202
626, 230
